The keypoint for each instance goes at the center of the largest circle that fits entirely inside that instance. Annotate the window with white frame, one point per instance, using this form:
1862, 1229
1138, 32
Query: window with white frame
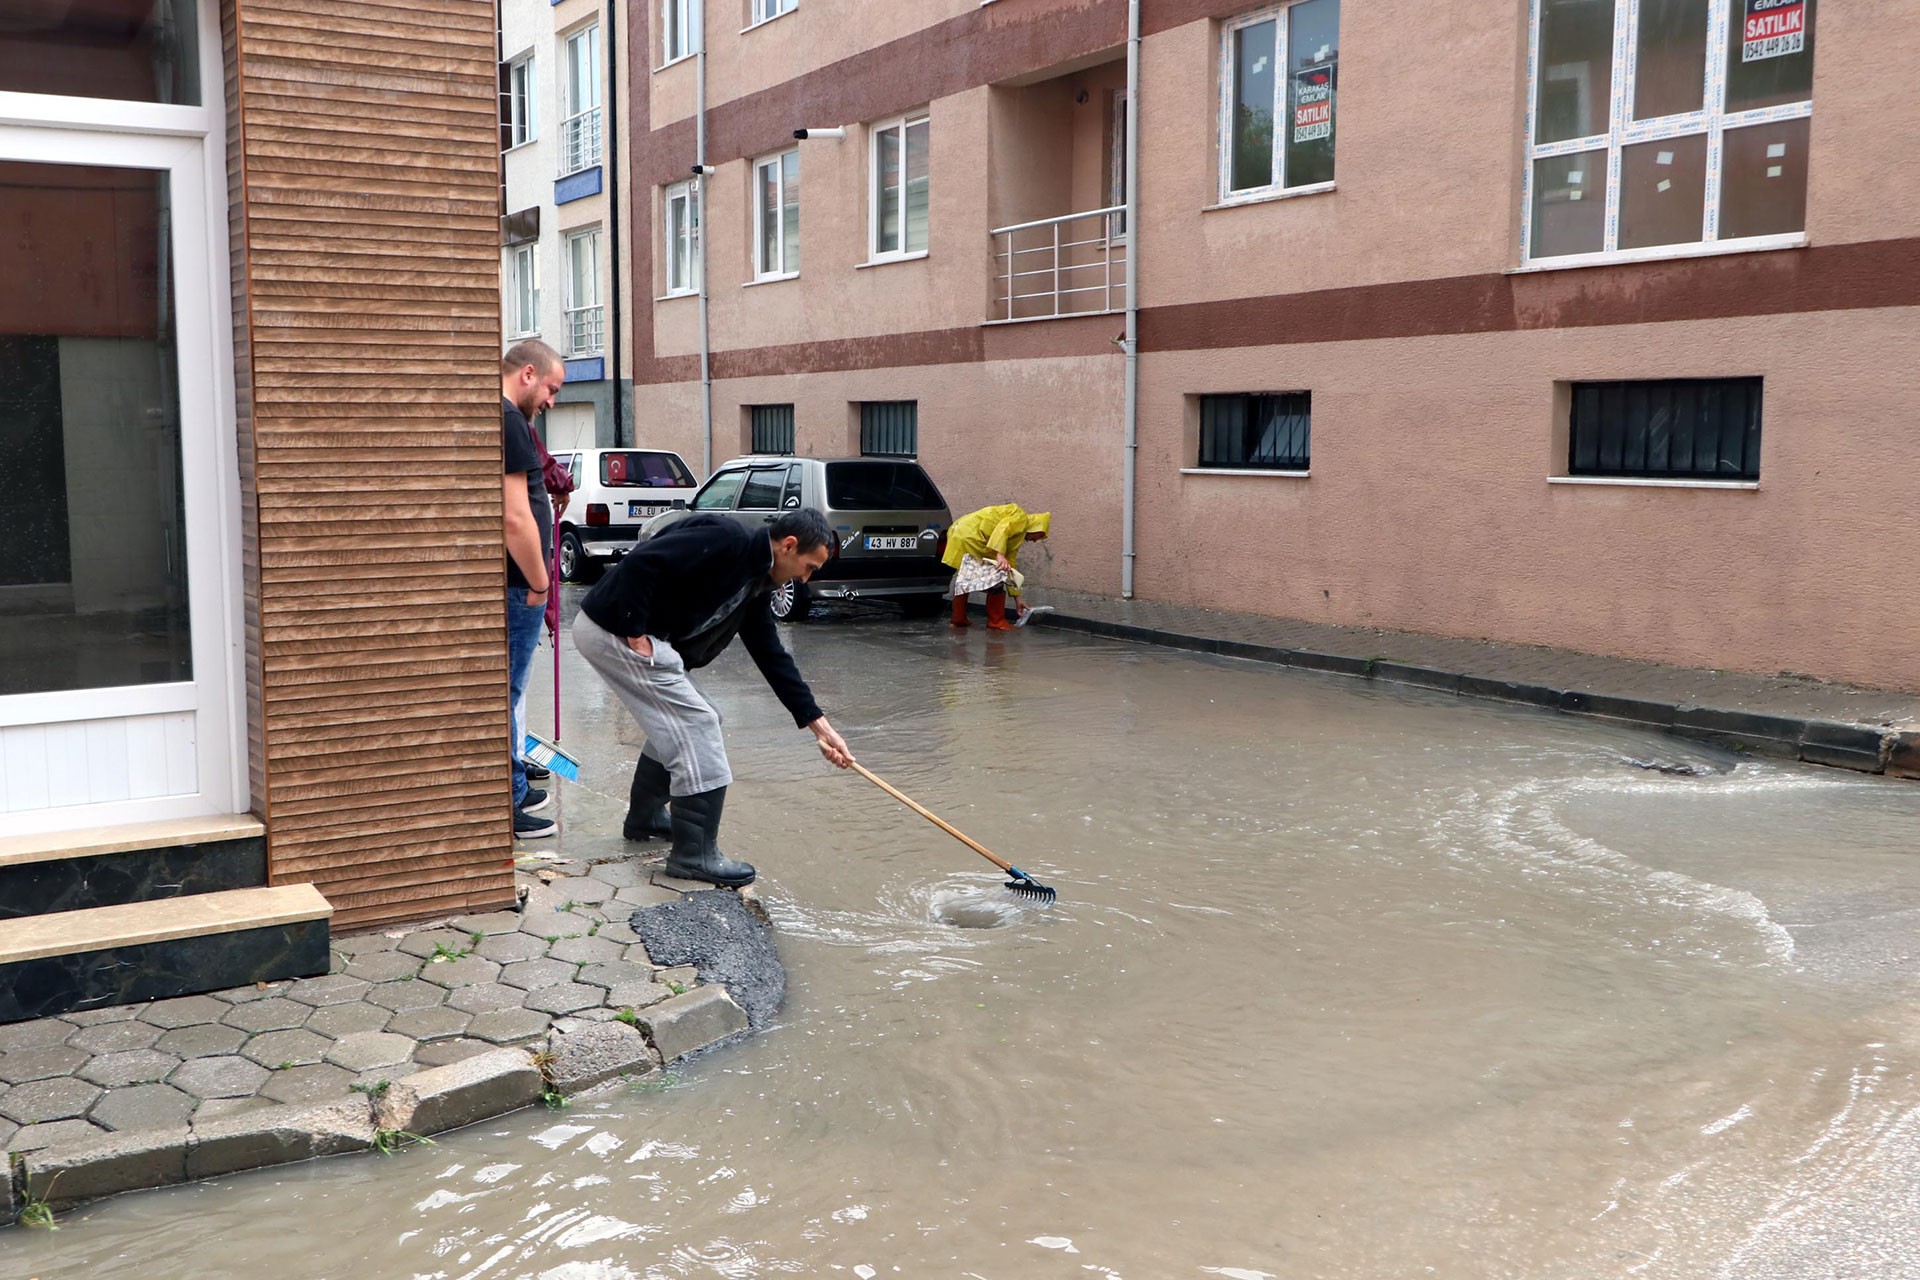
680, 220
679, 29
586, 318
580, 134
776, 216
523, 312
768, 10
898, 210
1657, 127
516, 103
1279, 85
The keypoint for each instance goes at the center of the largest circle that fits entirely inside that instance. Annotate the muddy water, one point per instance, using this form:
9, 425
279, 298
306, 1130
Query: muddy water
1343, 982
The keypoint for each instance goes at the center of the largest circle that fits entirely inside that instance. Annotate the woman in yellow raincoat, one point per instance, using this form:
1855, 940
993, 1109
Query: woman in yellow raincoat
983, 550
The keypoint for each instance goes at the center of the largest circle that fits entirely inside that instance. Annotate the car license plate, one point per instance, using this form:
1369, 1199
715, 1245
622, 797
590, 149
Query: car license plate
641, 510
892, 542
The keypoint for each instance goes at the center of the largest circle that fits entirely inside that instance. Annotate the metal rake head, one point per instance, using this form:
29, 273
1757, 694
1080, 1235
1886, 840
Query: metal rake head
1027, 887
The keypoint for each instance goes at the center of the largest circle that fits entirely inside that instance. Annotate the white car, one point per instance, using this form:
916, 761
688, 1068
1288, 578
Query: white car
614, 490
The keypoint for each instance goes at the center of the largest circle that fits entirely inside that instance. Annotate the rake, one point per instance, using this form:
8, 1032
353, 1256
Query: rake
1022, 883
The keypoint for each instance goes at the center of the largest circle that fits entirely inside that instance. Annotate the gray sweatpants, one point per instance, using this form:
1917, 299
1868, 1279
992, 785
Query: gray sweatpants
682, 727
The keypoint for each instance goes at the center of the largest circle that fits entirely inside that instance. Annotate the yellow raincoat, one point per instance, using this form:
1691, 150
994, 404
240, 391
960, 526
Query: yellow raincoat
989, 531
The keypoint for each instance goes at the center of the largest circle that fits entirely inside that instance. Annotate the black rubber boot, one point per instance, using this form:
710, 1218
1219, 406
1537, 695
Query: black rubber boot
696, 855
647, 802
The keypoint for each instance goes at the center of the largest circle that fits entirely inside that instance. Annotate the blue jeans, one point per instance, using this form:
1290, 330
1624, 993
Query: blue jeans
523, 637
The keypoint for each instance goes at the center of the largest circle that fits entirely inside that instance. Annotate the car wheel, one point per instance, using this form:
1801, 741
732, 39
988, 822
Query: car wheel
574, 565
923, 606
791, 602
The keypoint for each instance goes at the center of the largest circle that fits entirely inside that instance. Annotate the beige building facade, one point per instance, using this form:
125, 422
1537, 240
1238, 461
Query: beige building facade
1583, 323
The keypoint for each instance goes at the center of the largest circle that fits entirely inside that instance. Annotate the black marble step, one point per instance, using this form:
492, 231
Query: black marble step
109, 866
53, 964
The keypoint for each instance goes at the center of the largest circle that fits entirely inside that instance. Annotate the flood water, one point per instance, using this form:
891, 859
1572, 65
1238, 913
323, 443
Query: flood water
1343, 981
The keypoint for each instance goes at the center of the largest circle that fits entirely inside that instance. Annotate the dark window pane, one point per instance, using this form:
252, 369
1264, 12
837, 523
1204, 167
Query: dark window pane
1663, 192
1313, 65
890, 428
643, 469
720, 492
1670, 66
1763, 182
880, 486
128, 50
1263, 432
762, 490
1678, 429
773, 428
1576, 69
1252, 106
1569, 205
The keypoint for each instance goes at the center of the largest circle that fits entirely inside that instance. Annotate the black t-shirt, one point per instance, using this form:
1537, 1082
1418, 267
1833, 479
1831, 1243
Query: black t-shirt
521, 456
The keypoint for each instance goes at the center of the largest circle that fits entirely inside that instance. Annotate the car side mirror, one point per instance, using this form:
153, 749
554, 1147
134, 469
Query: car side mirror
679, 504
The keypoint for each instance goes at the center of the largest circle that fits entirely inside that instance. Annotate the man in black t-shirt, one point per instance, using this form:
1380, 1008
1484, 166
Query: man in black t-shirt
531, 374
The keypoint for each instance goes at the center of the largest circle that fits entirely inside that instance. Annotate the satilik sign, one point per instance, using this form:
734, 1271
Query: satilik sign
1774, 28
1313, 103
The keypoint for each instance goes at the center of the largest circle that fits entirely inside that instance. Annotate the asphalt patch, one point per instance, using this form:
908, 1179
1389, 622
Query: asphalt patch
713, 931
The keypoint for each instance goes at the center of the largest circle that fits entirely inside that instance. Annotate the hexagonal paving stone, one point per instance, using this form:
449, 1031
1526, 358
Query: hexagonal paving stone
277, 1014
287, 1048
40, 1101
647, 895
136, 1066
42, 1033
337, 988
619, 973
618, 931
530, 975
407, 993
111, 1013
618, 874
115, 1037
184, 1012
144, 1106
220, 1108
202, 1041
375, 1077
248, 994
348, 1019
637, 995
505, 1026
315, 1083
441, 1052
38, 1064
588, 950
580, 890
360, 944
33, 1137
465, 972
489, 924
228, 1077
553, 924
565, 997
436, 1023
485, 997
430, 942
383, 966
370, 1049
507, 948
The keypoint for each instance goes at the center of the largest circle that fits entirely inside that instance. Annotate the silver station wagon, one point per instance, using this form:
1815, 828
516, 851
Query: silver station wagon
888, 519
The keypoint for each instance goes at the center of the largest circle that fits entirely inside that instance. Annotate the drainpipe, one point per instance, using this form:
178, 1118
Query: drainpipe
1130, 344
700, 168
620, 437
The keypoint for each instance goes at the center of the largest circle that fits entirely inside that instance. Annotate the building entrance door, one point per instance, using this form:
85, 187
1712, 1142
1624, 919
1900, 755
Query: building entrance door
118, 674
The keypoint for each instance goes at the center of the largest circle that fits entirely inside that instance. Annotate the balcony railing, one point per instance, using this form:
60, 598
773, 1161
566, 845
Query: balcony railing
1073, 265
580, 141
586, 330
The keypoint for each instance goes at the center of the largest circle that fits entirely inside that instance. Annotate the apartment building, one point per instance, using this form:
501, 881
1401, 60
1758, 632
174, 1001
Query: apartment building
561, 116
1582, 323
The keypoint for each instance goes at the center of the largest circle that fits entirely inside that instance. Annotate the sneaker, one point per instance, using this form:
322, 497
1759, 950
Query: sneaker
536, 772
536, 801
530, 826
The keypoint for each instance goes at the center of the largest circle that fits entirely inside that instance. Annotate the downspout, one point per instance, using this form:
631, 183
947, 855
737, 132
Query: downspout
1130, 344
700, 167
620, 437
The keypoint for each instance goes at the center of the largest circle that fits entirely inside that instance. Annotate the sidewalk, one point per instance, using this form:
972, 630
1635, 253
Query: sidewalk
1870, 730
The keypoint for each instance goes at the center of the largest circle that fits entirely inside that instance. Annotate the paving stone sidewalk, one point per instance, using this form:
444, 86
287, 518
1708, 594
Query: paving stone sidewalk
395, 1003
1786, 715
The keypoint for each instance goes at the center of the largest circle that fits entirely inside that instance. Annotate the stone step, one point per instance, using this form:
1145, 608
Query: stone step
135, 862
131, 952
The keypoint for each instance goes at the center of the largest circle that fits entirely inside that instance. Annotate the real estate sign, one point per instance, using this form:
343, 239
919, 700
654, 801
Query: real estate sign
1313, 103
1773, 29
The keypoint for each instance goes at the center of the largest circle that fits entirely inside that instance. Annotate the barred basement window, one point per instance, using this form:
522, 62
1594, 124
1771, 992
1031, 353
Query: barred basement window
1265, 432
1674, 429
773, 428
889, 428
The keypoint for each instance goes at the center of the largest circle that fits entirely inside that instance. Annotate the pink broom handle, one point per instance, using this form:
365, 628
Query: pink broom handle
553, 584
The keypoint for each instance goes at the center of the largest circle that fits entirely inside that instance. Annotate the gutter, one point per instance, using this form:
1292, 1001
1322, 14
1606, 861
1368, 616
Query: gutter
622, 438
1130, 343
700, 177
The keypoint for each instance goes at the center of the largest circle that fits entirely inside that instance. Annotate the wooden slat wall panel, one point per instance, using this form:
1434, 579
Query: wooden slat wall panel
364, 167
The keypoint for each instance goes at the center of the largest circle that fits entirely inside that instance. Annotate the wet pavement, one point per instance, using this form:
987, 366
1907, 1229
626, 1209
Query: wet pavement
1346, 980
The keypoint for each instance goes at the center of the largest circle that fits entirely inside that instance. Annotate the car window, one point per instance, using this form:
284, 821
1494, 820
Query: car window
573, 468
720, 492
762, 491
791, 497
880, 486
643, 468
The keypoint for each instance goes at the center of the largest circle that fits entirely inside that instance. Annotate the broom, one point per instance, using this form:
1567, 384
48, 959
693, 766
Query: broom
537, 749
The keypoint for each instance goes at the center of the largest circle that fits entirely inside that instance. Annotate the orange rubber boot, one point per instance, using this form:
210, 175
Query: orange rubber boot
960, 612
997, 613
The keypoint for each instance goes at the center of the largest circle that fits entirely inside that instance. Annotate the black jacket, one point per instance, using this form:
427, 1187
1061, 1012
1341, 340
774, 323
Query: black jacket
696, 585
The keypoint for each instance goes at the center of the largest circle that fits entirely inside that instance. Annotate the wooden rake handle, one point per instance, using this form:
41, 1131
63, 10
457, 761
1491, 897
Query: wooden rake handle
935, 819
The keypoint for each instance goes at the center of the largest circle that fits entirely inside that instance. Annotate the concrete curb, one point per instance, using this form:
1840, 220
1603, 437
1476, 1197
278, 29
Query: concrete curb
1865, 748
